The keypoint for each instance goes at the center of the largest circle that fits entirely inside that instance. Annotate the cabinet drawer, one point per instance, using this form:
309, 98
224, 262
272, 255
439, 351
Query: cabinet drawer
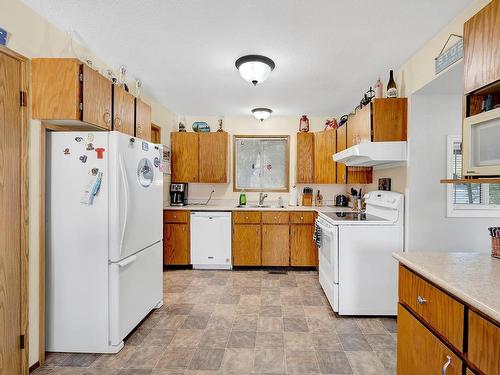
484, 344
275, 217
439, 310
175, 216
420, 352
246, 217
302, 217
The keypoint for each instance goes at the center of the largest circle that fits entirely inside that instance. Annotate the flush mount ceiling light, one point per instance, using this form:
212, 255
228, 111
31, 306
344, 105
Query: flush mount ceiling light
254, 68
261, 113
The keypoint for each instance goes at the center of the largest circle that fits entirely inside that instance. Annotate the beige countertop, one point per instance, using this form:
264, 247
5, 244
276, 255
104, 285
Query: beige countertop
229, 205
472, 277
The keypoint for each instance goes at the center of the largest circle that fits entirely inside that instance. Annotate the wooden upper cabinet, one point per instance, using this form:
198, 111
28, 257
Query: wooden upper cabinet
305, 158
123, 111
65, 91
142, 120
246, 245
383, 120
213, 150
484, 344
275, 245
324, 148
341, 146
184, 148
482, 48
420, 352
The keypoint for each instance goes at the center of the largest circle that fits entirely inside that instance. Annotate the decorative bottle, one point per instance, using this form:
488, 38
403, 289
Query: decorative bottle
392, 90
379, 90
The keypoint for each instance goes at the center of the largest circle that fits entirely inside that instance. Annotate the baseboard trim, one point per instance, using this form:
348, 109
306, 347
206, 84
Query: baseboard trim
34, 366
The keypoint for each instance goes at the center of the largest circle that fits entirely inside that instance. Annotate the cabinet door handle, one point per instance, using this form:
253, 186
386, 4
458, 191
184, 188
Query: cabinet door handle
447, 363
421, 300
106, 117
246, 217
118, 121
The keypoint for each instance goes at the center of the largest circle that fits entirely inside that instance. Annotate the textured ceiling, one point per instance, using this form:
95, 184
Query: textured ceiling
327, 52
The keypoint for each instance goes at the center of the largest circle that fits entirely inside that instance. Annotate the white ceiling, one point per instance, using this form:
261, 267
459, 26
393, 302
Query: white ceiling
327, 52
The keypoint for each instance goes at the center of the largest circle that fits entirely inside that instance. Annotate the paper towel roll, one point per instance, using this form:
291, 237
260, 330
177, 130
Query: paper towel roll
293, 196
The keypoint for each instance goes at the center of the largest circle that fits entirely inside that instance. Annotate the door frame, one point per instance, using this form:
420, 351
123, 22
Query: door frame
24, 185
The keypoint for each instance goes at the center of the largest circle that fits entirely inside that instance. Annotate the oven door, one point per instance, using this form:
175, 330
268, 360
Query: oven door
481, 154
329, 262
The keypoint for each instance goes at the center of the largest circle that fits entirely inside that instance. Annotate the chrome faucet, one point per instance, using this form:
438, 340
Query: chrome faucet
262, 196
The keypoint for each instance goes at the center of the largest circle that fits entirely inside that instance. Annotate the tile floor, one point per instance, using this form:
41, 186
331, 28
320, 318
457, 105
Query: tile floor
243, 322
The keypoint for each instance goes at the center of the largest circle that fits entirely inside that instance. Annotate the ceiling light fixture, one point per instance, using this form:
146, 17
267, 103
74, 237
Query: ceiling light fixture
254, 68
261, 113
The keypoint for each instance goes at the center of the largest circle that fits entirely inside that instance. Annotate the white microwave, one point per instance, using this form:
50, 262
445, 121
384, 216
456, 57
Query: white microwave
481, 144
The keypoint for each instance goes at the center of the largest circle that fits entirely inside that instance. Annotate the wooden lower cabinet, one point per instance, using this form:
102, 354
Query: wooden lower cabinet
275, 245
246, 245
302, 247
420, 352
176, 244
484, 344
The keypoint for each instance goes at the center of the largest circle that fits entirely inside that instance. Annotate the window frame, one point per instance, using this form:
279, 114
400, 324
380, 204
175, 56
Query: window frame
465, 210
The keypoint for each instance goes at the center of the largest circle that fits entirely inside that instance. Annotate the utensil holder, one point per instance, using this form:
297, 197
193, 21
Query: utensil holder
495, 247
307, 199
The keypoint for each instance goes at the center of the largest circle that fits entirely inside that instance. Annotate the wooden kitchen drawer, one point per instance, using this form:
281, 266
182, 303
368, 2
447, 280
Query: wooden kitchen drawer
442, 312
246, 217
484, 344
275, 217
175, 216
420, 352
302, 217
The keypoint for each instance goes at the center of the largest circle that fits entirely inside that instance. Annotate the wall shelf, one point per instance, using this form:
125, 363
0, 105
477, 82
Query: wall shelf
470, 181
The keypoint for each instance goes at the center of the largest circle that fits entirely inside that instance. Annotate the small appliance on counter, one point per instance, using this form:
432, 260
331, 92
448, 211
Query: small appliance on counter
178, 194
341, 200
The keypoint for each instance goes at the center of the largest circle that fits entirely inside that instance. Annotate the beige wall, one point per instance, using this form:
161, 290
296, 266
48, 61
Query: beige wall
32, 36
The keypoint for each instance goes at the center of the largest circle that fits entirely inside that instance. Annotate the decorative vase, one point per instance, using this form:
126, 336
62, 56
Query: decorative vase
304, 124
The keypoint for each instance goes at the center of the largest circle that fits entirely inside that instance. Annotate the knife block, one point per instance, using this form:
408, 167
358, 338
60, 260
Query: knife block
307, 199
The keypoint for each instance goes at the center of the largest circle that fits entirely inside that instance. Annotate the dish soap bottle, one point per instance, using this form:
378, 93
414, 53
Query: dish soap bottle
243, 198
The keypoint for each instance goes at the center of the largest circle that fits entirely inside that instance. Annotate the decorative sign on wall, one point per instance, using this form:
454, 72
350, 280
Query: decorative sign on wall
451, 55
3, 37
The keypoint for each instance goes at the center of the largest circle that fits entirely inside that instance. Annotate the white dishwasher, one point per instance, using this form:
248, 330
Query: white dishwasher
211, 239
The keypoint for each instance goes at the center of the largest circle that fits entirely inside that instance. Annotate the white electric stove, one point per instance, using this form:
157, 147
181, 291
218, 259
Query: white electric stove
356, 269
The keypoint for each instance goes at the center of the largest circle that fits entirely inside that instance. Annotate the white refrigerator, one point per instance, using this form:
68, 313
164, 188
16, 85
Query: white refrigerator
104, 196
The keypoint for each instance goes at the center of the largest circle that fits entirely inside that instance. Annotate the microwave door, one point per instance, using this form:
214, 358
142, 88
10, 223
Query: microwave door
481, 144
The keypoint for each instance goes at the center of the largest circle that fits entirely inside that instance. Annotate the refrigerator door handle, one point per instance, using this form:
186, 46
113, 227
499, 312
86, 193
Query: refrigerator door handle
125, 188
127, 261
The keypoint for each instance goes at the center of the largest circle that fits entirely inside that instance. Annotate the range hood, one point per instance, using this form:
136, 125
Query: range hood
370, 154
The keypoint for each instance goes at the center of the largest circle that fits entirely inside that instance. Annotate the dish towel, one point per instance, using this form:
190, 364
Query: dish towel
317, 234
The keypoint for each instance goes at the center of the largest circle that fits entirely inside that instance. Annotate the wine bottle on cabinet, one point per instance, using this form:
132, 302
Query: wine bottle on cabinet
392, 91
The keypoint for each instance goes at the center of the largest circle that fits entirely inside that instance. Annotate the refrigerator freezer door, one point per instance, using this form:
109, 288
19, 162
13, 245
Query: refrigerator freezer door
76, 244
136, 195
135, 289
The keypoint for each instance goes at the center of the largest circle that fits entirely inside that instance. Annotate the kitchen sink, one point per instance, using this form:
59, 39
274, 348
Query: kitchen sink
258, 206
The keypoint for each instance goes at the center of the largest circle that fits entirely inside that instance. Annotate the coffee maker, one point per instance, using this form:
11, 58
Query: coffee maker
178, 194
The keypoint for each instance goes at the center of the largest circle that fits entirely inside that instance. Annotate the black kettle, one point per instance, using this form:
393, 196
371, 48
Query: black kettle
341, 200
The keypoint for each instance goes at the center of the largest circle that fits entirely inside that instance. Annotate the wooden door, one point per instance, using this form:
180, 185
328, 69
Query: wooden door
419, 351
142, 120
184, 148
302, 247
13, 216
389, 121
305, 158
275, 245
213, 149
482, 48
155, 134
341, 146
246, 245
484, 344
324, 148
97, 92
176, 244
359, 127
123, 111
